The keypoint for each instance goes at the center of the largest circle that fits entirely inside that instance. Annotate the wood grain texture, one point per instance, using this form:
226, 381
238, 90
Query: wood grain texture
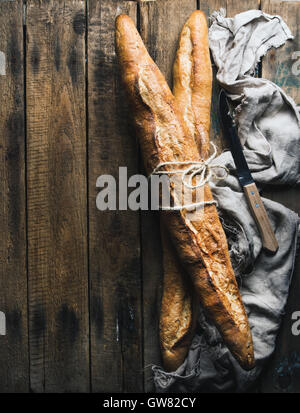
282, 374
14, 373
56, 193
115, 266
234, 7
161, 40
260, 215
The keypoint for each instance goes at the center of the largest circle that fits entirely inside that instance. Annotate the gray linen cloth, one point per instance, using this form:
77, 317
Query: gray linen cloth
268, 126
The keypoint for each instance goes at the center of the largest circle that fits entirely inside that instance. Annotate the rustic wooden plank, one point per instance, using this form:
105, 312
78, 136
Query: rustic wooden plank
161, 40
57, 196
115, 263
234, 7
280, 66
209, 6
14, 372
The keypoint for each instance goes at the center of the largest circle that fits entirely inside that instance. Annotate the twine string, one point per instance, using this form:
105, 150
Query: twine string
203, 169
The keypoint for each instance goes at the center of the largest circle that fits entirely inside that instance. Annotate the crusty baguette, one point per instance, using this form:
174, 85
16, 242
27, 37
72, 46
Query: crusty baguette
179, 309
200, 243
192, 78
192, 88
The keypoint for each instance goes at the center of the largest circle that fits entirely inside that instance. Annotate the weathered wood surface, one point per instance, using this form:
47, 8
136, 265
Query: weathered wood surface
57, 196
94, 278
13, 278
280, 66
115, 262
234, 7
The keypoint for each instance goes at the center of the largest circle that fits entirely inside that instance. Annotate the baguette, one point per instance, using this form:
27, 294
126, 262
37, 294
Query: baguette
200, 243
192, 89
179, 309
192, 78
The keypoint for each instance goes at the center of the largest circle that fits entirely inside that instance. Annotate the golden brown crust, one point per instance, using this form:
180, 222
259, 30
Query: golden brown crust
192, 74
192, 90
200, 243
179, 309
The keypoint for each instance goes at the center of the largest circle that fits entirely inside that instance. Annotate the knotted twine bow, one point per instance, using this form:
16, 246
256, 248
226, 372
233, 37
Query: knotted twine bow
202, 169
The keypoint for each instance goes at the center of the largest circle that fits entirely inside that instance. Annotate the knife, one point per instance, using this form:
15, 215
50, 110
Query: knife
245, 178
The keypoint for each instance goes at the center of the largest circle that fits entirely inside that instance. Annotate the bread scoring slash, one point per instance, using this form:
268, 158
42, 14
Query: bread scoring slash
171, 129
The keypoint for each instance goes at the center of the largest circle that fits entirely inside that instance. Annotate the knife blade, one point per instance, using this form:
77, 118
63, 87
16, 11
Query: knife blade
245, 178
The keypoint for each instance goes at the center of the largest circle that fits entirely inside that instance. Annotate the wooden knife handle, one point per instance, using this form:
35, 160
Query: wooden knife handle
262, 221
